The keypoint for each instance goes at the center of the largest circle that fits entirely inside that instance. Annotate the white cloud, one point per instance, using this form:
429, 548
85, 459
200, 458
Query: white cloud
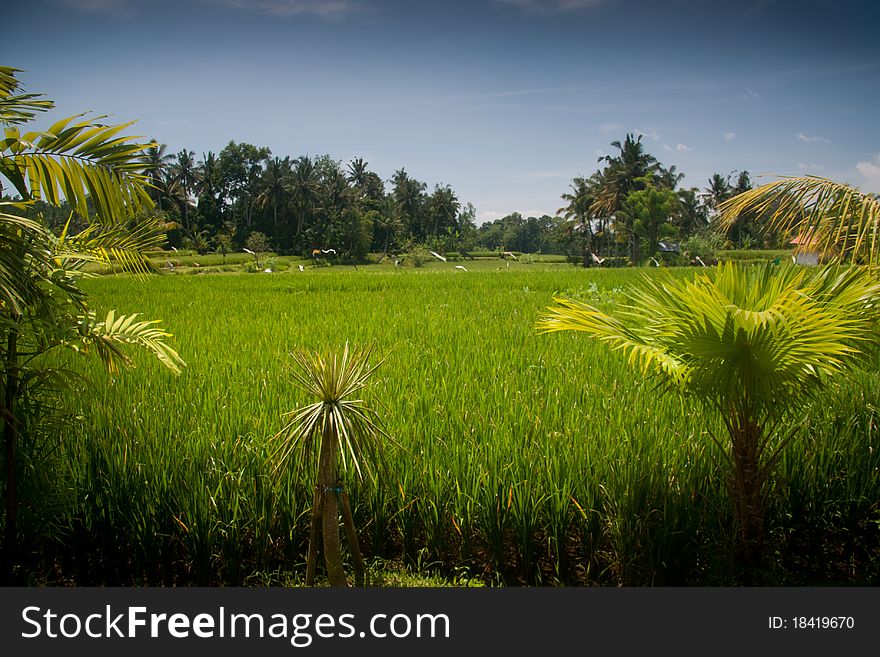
650, 133
667, 148
871, 173
752, 93
683, 147
729, 136
812, 140
322, 8
809, 167
611, 126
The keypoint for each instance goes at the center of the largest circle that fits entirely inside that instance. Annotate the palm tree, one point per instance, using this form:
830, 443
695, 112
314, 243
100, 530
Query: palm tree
185, 174
156, 164
841, 221
717, 192
669, 178
43, 306
357, 172
338, 427
578, 214
275, 186
208, 189
444, 207
751, 344
305, 188
628, 171
409, 196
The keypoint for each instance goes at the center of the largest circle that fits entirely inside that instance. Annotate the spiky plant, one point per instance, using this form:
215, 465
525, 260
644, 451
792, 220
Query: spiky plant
752, 344
337, 429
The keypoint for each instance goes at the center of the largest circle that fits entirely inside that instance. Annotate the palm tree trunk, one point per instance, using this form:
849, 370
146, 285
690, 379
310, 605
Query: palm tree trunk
330, 510
747, 494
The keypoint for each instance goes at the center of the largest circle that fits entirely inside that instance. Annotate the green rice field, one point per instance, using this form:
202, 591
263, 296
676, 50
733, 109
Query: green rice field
520, 458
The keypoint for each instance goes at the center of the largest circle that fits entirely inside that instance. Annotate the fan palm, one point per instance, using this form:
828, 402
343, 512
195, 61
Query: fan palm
752, 344
41, 306
840, 222
338, 427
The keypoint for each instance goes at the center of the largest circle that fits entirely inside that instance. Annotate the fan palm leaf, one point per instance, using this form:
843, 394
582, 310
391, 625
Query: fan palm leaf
753, 344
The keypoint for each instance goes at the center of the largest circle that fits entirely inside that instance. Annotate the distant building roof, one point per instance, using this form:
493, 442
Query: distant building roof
804, 239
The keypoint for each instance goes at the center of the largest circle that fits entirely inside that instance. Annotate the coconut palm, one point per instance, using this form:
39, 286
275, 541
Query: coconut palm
186, 175
305, 185
336, 429
100, 176
357, 172
275, 188
752, 344
578, 213
840, 221
156, 163
717, 192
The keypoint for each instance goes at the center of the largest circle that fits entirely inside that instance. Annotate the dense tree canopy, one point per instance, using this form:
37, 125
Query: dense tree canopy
622, 212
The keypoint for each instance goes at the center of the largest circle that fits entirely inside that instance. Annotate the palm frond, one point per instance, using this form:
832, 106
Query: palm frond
832, 218
762, 337
78, 162
15, 107
107, 338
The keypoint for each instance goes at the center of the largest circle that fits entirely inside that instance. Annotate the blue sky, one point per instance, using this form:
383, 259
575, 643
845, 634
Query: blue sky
505, 100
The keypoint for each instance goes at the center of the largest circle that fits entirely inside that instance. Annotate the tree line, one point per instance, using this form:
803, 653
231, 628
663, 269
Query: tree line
244, 196
296, 205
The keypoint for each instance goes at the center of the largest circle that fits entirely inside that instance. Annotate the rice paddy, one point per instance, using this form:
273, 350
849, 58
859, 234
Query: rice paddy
521, 458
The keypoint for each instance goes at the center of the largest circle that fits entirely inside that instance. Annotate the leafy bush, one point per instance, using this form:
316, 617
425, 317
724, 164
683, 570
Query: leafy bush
257, 242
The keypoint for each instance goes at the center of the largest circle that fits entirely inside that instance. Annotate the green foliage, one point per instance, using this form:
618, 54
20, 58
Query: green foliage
417, 257
257, 242
649, 213
753, 344
98, 174
703, 245
835, 219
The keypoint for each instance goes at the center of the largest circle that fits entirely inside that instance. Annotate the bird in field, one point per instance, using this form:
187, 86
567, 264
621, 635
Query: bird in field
655, 260
508, 254
174, 248
247, 250
301, 268
597, 259
697, 258
438, 256
333, 251
460, 267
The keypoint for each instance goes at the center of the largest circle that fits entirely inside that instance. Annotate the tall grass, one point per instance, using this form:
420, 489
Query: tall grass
525, 458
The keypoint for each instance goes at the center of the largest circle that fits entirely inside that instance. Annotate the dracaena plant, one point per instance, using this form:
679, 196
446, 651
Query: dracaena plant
337, 430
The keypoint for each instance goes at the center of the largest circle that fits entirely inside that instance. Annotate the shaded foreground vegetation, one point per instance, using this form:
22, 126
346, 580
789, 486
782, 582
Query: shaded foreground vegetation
527, 459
